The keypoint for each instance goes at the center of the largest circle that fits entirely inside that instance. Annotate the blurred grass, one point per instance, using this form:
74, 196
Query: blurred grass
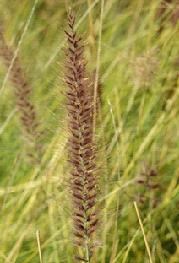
137, 123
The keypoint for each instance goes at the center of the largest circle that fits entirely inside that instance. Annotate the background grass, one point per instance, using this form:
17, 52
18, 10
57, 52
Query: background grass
138, 122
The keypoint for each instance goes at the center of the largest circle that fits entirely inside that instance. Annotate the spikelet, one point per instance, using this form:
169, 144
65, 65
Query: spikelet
81, 145
148, 186
22, 90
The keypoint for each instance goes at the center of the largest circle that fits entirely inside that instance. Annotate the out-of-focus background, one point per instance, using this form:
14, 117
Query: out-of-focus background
135, 47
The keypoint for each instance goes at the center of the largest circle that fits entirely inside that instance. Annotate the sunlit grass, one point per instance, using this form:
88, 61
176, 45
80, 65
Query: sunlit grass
136, 123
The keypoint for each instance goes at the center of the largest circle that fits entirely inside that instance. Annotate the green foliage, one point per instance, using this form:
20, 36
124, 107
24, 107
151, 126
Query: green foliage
138, 122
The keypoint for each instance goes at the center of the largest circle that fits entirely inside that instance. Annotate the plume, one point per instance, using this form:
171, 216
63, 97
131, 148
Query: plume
22, 90
81, 147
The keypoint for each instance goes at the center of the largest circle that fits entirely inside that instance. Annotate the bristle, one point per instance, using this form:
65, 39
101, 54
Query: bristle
22, 93
81, 142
